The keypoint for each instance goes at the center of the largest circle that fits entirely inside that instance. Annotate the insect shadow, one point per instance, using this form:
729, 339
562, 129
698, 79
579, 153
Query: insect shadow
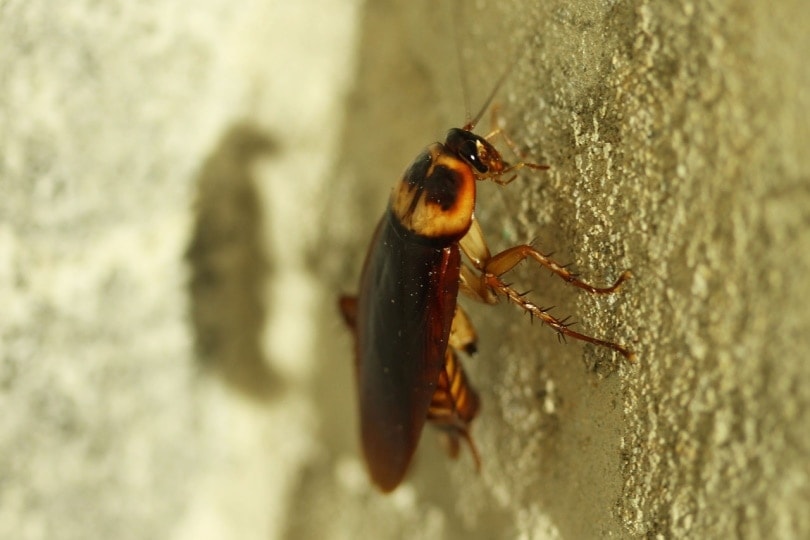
229, 265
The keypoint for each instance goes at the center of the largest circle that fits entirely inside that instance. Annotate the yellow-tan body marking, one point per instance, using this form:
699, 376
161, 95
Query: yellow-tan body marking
415, 207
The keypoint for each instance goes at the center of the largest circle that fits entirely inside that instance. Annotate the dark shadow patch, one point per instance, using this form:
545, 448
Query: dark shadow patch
229, 265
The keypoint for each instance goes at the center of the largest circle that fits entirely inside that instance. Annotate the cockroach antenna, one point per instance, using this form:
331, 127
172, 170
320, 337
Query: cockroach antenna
469, 126
465, 86
462, 74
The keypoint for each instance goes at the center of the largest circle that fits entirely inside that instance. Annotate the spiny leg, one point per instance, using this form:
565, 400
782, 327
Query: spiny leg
560, 326
509, 258
454, 406
491, 268
475, 248
499, 179
470, 283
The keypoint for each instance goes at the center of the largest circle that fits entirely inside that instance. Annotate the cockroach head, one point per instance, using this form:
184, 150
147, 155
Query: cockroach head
475, 151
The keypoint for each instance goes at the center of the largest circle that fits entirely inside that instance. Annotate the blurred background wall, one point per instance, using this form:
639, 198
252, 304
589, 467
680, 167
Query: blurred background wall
186, 188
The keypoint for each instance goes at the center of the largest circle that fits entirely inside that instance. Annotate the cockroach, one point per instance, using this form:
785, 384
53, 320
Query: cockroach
406, 323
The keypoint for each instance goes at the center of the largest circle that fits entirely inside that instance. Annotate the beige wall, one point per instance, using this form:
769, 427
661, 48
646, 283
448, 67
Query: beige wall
184, 190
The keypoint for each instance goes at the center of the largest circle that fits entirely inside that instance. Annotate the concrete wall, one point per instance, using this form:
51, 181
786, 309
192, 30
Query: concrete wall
184, 189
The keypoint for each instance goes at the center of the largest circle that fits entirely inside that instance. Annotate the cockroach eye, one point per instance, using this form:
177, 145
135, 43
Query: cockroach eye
464, 145
469, 153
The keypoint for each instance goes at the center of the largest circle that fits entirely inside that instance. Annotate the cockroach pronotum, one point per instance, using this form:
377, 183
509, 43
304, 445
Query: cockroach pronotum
405, 320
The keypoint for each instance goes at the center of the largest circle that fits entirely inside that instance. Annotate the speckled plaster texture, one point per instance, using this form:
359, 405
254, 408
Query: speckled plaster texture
184, 190
676, 134
139, 266
93, 213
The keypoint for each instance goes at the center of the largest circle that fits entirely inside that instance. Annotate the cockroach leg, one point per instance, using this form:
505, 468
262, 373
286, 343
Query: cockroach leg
470, 284
474, 245
462, 333
498, 176
348, 308
560, 326
497, 130
491, 269
454, 406
509, 258
475, 248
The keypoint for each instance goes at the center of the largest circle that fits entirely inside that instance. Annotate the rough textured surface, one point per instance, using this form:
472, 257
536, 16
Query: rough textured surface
676, 136
99, 138
183, 192
134, 224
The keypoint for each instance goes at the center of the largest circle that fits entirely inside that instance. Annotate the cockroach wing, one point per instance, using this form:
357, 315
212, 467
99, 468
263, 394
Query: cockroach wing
404, 312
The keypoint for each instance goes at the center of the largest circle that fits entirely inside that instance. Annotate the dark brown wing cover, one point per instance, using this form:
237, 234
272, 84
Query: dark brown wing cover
404, 312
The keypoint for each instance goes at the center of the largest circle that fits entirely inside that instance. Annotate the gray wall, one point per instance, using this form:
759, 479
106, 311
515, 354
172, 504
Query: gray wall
185, 189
